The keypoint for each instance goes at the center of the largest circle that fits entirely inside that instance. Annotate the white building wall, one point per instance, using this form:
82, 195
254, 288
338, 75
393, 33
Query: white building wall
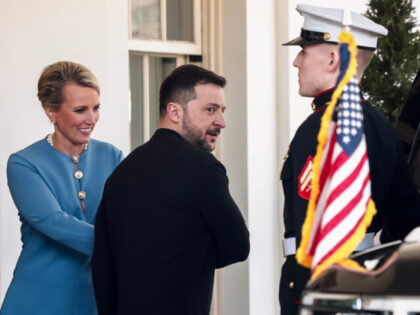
235, 280
34, 34
262, 156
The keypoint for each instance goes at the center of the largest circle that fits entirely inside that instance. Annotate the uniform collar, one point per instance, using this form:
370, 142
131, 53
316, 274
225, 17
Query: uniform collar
323, 99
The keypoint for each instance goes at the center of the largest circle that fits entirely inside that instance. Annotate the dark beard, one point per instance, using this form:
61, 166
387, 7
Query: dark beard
194, 136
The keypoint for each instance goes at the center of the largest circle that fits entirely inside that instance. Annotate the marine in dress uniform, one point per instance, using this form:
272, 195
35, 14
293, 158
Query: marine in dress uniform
392, 191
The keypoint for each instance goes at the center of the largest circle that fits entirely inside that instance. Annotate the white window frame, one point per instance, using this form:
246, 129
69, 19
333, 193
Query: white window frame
164, 46
180, 60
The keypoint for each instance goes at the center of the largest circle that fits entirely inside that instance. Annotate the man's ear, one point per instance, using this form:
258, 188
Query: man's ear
175, 112
334, 61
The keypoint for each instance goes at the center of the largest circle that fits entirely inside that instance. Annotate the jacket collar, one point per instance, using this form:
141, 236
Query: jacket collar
322, 99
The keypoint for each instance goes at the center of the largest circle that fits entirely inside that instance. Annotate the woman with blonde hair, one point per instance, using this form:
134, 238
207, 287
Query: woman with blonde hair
56, 184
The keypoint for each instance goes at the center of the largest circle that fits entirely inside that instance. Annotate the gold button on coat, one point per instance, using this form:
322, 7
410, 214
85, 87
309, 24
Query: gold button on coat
81, 195
78, 174
291, 284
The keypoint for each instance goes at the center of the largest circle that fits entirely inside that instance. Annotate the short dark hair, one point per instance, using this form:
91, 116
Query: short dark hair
179, 86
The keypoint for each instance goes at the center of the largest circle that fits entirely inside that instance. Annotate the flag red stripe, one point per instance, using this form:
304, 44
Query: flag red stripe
346, 210
322, 232
337, 191
339, 244
325, 171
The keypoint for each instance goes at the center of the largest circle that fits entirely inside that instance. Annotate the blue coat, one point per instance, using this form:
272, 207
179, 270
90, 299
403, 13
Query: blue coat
53, 273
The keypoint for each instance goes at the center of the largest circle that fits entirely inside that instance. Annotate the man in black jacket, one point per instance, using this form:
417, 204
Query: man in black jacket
393, 193
167, 220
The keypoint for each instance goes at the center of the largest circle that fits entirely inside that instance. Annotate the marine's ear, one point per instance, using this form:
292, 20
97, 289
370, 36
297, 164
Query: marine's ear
334, 60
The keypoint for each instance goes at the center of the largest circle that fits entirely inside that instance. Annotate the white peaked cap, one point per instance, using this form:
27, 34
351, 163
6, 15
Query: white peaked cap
324, 25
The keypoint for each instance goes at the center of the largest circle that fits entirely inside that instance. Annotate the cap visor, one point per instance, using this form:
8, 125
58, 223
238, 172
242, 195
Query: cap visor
299, 41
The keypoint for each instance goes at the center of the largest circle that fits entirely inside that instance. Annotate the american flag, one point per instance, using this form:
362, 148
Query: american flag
340, 204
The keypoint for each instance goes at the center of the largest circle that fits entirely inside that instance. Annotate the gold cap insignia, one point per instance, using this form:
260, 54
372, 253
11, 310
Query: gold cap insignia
327, 36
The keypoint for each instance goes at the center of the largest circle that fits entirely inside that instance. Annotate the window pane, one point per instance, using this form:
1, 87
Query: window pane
159, 68
145, 19
180, 20
136, 91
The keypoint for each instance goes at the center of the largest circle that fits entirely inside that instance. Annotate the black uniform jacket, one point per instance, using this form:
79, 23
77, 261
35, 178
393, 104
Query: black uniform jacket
392, 191
166, 221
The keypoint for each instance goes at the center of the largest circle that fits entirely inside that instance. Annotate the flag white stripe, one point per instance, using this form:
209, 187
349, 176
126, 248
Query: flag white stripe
329, 213
351, 191
343, 228
344, 171
348, 167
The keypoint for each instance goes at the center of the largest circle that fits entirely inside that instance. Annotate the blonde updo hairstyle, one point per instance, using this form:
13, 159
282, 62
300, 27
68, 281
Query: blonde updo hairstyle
56, 76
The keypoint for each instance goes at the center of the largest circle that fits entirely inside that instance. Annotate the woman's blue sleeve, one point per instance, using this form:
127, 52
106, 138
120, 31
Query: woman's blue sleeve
120, 156
37, 205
